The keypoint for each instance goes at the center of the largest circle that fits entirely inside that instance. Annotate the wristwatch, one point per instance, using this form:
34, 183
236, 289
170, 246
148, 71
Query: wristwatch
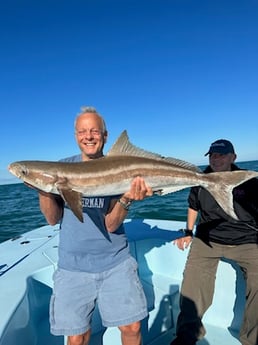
125, 205
187, 232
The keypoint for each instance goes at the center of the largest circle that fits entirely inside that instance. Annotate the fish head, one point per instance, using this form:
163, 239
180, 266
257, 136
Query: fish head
34, 174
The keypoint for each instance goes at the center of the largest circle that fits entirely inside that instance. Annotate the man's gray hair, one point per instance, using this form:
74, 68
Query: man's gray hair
89, 109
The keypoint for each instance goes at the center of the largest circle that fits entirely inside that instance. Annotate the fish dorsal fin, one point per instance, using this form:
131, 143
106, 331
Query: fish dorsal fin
183, 164
123, 146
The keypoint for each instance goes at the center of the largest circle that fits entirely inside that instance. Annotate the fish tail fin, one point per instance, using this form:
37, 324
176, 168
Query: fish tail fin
222, 184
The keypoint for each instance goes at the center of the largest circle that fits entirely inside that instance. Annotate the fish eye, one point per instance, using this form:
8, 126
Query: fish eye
24, 171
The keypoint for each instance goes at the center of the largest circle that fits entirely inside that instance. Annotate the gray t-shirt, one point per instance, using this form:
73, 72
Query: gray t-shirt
88, 246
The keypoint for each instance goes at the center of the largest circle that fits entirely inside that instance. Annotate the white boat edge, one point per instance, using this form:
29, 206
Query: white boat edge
28, 262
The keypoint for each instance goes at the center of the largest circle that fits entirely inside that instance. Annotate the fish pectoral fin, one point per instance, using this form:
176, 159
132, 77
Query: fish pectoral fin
73, 200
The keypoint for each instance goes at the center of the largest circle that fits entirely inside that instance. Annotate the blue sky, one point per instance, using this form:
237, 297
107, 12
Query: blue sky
176, 74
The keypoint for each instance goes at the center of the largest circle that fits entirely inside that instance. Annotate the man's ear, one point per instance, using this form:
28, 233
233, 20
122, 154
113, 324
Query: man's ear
105, 136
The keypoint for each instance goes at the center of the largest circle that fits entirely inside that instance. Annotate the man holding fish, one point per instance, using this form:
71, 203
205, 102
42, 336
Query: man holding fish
94, 260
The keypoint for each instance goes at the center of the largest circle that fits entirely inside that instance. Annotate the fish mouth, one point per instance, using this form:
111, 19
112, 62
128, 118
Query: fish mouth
10, 168
17, 171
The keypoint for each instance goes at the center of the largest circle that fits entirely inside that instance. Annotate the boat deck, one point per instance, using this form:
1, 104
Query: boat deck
28, 262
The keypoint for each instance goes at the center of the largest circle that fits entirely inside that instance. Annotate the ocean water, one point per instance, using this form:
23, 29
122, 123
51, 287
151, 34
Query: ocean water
19, 207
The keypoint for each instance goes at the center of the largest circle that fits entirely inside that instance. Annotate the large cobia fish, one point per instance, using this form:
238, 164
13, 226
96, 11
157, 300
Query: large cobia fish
112, 175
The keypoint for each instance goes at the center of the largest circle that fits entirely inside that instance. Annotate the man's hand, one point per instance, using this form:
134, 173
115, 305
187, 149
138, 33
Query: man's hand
183, 242
139, 190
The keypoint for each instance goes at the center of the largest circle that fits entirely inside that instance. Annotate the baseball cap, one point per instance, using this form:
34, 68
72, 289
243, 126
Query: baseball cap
221, 146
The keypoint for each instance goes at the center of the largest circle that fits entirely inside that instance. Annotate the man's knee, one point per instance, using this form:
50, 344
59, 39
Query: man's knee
132, 329
81, 339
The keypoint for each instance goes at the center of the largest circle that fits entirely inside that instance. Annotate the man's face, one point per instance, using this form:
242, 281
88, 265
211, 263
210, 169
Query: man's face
90, 135
221, 162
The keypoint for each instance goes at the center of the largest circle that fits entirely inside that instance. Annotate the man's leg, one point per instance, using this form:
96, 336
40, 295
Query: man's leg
246, 255
196, 291
72, 305
122, 287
